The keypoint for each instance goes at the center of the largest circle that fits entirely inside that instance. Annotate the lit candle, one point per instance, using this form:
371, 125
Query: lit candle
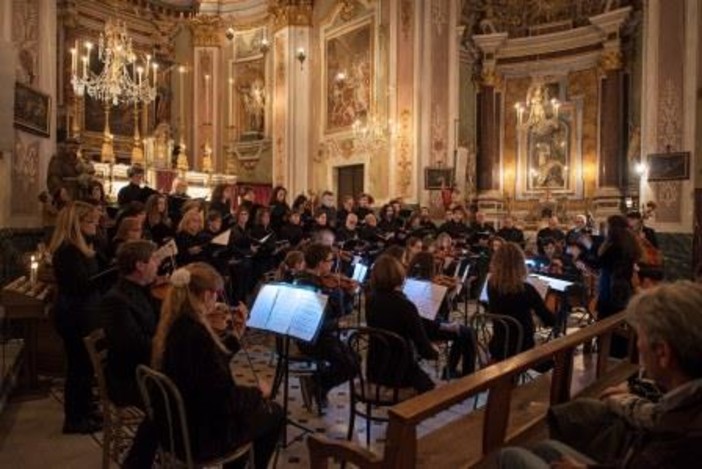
207, 99
74, 61
181, 72
140, 72
155, 67
33, 271
85, 66
231, 102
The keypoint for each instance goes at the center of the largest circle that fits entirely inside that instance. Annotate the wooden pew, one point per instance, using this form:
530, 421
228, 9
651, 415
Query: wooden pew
507, 418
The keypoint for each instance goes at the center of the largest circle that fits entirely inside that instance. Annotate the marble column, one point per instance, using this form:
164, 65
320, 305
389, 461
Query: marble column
611, 128
291, 126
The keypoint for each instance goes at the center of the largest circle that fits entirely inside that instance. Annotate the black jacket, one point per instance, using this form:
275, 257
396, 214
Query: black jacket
130, 315
218, 410
392, 311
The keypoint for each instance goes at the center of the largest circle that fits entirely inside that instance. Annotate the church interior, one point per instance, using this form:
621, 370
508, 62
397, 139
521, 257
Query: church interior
383, 233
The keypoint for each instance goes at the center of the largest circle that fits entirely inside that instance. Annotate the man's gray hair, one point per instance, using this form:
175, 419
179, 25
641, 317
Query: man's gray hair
672, 313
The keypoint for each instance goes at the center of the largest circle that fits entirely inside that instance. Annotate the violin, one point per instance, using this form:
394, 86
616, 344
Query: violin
445, 281
339, 281
160, 289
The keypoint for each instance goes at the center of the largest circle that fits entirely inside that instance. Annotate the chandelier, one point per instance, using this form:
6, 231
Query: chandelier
371, 134
540, 110
122, 79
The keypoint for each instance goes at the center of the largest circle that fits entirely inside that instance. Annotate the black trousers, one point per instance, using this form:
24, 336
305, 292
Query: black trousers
463, 347
78, 394
266, 423
341, 362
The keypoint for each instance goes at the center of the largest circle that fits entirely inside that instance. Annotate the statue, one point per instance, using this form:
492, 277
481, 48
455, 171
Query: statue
69, 171
254, 96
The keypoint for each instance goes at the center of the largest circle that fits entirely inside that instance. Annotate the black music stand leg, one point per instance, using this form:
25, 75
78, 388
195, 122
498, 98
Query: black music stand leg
286, 394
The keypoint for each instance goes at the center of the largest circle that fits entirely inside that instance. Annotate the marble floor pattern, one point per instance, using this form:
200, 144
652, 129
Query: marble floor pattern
30, 430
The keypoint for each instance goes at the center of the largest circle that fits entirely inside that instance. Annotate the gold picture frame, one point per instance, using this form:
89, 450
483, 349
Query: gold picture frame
32, 111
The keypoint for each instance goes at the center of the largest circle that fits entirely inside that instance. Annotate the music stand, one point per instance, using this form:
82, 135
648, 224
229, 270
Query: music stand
289, 311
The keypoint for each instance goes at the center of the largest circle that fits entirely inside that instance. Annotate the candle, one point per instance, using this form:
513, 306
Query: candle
140, 71
155, 67
85, 66
74, 61
207, 99
231, 102
181, 72
33, 271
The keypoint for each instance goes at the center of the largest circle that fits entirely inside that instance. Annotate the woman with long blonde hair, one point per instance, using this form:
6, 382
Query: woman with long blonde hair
75, 264
188, 239
193, 346
510, 294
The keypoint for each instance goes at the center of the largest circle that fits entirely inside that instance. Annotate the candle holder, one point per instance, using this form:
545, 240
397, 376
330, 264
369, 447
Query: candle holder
301, 56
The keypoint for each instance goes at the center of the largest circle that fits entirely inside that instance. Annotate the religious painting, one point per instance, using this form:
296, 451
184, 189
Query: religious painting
25, 176
32, 110
437, 178
349, 77
668, 166
547, 148
252, 96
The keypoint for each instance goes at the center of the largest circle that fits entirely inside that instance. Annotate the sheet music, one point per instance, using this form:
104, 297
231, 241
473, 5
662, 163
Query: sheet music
484, 291
554, 283
170, 249
288, 310
262, 307
309, 309
359, 272
264, 239
222, 239
426, 296
540, 286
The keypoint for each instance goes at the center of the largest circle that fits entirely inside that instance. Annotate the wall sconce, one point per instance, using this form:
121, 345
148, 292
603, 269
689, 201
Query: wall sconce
640, 168
340, 77
264, 46
229, 33
301, 55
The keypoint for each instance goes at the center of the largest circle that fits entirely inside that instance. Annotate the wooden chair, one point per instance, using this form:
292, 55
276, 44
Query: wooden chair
115, 418
166, 409
391, 356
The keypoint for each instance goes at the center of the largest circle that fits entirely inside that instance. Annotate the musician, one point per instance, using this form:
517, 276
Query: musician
319, 260
425, 220
511, 295
132, 191
292, 231
248, 202
616, 258
193, 346
552, 231
279, 208
291, 267
413, 246
636, 224
480, 228
370, 231
579, 229
158, 224
221, 201
190, 246
388, 308
264, 237
327, 206
130, 315
555, 262
389, 223
347, 206
364, 206
511, 233
455, 225
462, 338
74, 263
303, 206
177, 198
129, 229
321, 222
349, 230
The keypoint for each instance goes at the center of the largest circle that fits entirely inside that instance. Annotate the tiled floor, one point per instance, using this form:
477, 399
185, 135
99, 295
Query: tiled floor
30, 435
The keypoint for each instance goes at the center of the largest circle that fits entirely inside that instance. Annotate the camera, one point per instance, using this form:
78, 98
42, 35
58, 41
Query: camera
229, 33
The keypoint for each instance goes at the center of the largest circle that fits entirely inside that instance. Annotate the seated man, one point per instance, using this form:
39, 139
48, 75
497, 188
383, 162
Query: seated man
130, 318
667, 433
327, 347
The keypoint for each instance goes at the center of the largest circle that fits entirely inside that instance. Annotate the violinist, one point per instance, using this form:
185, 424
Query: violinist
327, 347
130, 315
413, 246
291, 267
462, 338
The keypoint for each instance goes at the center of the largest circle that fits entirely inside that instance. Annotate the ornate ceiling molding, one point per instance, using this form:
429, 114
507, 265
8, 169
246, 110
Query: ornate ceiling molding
206, 30
291, 13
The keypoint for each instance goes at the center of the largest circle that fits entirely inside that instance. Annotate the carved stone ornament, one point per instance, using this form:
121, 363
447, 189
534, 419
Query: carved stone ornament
610, 60
404, 154
206, 30
489, 77
291, 13
249, 153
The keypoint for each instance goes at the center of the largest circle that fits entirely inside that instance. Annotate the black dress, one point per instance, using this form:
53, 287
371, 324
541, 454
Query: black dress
221, 414
519, 306
392, 311
75, 317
